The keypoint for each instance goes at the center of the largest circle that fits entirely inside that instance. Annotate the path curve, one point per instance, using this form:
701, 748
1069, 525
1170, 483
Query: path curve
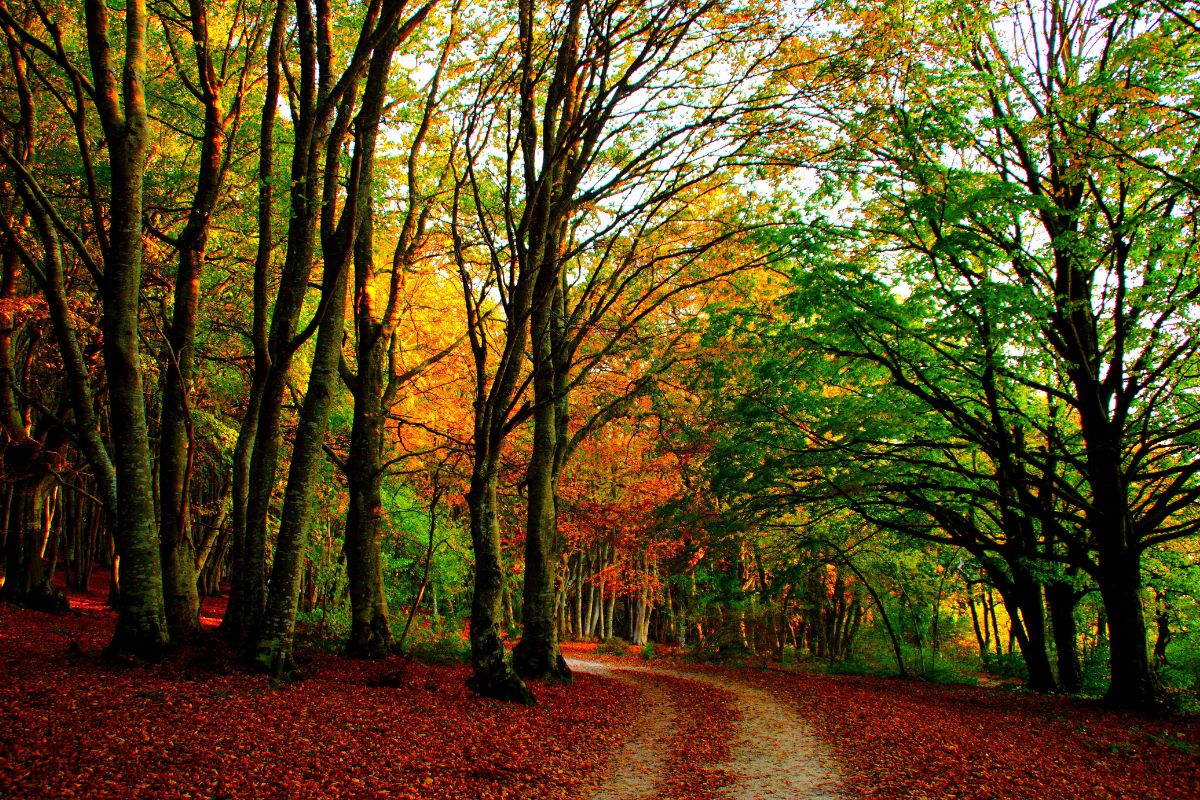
775, 755
640, 767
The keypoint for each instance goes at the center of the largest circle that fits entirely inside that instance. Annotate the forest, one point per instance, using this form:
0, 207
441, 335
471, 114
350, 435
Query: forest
854, 335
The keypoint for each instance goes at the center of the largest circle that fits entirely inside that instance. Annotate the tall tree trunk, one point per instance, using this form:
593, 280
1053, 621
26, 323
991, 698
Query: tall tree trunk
547, 191
27, 581
231, 623
577, 598
177, 547
283, 338
175, 447
370, 635
141, 619
538, 655
321, 94
237, 612
609, 610
338, 239
1103, 410
980, 631
1022, 598
1162, 624
1131, 683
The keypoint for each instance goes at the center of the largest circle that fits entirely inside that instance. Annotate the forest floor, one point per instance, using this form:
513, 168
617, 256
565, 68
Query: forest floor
74, 725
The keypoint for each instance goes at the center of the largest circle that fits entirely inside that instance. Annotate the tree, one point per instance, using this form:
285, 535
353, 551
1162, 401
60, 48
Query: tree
27, 446
624, 134
120, 105
322, 103
339, 233
379, 375
214, 70
1025, 167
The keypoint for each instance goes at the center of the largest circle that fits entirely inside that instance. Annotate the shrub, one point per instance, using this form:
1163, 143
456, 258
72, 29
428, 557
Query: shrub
612, 647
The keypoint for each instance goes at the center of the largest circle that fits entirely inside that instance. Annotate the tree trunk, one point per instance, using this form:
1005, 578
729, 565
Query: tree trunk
538, 654
1132, 683
589, 609
141, 619
27, 582
373, 389
244, 605
1162, 622
609, 610
1061, 599
310, 129
370, 635
980, 631
176, 544
175, 449
27, 476
235, 609
1027, 616
493, 677
273, 651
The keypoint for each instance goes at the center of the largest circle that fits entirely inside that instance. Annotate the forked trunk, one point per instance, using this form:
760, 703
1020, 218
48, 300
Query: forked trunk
273, 651
26, 578
538, 654
1061, 599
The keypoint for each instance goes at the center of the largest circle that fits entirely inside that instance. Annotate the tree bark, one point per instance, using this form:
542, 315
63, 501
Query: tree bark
1132, 684
27, 581
1061, 599
338, 239
538, 654
141, 618
177, 545
1022, 598
493, 677
273, 651
238, 611
370, 634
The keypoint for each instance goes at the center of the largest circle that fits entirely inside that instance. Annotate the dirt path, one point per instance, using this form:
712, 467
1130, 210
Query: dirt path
774, 755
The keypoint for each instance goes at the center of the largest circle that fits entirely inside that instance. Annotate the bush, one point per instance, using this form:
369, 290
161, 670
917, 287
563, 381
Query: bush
442, 650
724, 642
1182, 688
1008, 665
438, 642
854, 666
1095, 671
612, 647
324, 628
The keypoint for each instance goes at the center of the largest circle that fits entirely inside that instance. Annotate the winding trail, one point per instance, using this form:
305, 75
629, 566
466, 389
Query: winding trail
774, 754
